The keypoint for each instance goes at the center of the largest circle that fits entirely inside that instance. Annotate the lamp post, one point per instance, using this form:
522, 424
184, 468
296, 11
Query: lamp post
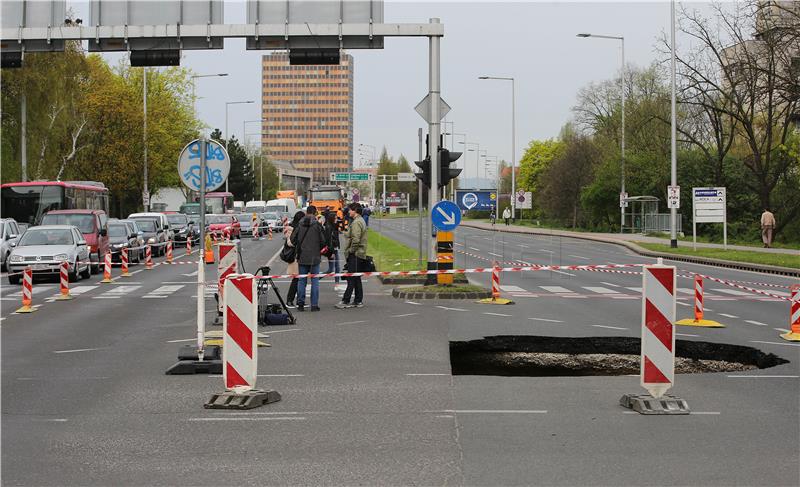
227, 136
194, 96
673, 212
496, 182
260, 155
622, 142
513, 139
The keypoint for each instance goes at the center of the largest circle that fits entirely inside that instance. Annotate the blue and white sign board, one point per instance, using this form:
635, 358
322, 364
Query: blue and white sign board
218, 165
476, 200
709, 205
445, 216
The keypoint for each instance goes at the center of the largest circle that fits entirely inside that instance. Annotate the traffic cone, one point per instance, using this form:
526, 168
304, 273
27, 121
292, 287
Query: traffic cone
169, 251
209, 254
27, 291
148, 257
64, 296
107, 270
698, 308
794, 316
124, 259
496, 299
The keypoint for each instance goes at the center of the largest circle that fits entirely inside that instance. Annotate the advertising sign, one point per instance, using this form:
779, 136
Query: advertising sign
709, 206
218, 165
396, 199
524, 200
484, 200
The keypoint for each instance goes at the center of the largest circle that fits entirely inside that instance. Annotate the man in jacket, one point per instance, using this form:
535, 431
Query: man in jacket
767, 227
355, 250
308, 239
507, 215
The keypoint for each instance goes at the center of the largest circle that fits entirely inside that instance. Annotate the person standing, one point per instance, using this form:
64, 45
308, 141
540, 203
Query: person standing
292, 267
507, 215
365, 213
308, 240
492, 217
355, 251
332, 241
767, 227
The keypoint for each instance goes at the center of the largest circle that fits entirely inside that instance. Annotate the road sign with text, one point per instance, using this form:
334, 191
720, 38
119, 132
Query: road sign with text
349, 176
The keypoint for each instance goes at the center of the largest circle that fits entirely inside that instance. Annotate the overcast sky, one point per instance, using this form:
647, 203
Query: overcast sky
533, 41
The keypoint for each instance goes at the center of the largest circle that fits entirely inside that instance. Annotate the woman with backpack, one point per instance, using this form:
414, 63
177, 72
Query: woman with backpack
331, 232
291, 267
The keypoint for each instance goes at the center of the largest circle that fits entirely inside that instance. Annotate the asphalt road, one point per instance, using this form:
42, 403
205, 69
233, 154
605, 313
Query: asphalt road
368, 395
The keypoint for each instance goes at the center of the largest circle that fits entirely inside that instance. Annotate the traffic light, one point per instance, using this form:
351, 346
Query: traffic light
425, 175
447, 173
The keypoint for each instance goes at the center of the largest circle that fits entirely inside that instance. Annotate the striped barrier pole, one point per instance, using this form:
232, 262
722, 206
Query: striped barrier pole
124, 259
239, 347
255, 230
228, 264
269, 233
169, 251
64, 285
189, 245
107, 269
794, 316
496, 299
699, 319
148, 257
658, 334
27, 291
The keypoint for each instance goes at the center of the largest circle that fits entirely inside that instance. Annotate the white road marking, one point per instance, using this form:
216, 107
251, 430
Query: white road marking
511, 289
776, 343
765, 376
726, 315
81, 289
498, 314
779, 293
425, 375
609, 327
686, 335
352, 322
491, 411
579, 257
182, 340
191, 274
556, 289
451, 309
686, 290
403, 315
732, 292
634, 289
244, 418
562, 272
475, 249
782, 329
610, 284
545, 250
683, 304
758, 323
492, 253
546, 319
106, 297
53, 420
414, 303
163, 291
600, 290
78, 350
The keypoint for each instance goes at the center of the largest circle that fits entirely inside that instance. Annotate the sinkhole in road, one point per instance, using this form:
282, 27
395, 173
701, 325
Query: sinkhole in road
542, 356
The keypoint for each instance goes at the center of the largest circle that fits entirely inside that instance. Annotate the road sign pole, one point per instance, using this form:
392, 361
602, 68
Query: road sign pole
434, 86
419, 202
201, 291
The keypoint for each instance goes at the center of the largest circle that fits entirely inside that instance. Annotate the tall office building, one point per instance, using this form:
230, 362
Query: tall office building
308, 112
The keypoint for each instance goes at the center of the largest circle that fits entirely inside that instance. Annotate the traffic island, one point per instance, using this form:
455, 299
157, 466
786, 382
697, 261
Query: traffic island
442, 291
419, 280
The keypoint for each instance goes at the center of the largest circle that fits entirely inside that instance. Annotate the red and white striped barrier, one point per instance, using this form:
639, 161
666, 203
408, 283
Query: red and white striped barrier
189, 245
240, 329
269, 233
107, 269
699, 319
27, 291
228, 264
148, 257
256, 236
64, 295
745, 288
496, 299
169, 251
124, 260
658, 333
794, 316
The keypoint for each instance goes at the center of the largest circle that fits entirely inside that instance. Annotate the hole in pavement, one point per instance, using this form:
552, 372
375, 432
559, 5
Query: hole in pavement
540, 356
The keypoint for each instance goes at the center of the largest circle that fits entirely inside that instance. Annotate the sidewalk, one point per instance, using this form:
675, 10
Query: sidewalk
627, 237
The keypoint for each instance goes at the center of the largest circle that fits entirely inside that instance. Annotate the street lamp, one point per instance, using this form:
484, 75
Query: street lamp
513, 138
477, 169
496, 182
194, 96
622, 89
227, 136
260, 154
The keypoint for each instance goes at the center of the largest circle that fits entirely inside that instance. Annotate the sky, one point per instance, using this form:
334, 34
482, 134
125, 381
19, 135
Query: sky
534, 42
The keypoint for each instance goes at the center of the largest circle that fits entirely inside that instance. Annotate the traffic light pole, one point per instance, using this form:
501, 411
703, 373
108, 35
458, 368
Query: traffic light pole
422, 231
434, 121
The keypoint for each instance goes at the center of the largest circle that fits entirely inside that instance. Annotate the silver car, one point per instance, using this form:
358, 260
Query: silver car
45, 247
9, 233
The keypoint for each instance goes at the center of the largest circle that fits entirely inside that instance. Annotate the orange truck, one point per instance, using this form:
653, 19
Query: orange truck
330, 196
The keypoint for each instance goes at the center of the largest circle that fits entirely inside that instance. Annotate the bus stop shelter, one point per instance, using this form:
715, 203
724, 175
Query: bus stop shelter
642, 216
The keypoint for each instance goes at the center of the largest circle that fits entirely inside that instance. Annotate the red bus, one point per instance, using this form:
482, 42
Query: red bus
28, 202
219, 202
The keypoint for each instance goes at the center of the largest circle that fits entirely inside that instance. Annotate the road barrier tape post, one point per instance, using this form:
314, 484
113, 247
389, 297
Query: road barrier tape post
794, 315
269, 233
148, 257
64, 278
256, 236
107, 269
169, 251
699, 319
239, 349
27, 291
124, 260
496, 298
208, 257
228, 264
658, 344
189, 245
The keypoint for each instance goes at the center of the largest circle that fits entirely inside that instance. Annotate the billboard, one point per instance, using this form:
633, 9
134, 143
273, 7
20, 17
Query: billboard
312, 12
477, 200
399, 200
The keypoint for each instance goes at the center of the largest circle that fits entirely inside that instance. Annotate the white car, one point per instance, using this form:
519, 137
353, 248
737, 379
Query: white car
44, 248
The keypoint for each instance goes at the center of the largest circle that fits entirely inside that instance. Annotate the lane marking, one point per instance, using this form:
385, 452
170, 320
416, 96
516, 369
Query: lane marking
726, 315
634, 289
475, 249
556, 289
106, 297
260, 418
686, 335
492, 411
562, 272
414, 303
403, 315
732, 292
782, 329
765, 376
777, 343
698, 413
609, 327
78, 350
578, 257
351, 322
599, 290
757, 323
610, 284
498, 314
683, 304
426, 375
546, 319
512, 289
451, 309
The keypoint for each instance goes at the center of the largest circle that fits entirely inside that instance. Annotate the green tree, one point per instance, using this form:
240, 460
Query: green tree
241, 181
534, 163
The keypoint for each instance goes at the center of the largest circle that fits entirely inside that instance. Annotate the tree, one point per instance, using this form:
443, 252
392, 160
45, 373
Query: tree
534, 163
241, 181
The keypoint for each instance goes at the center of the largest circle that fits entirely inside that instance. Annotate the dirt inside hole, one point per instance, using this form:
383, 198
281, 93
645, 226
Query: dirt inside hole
538, 356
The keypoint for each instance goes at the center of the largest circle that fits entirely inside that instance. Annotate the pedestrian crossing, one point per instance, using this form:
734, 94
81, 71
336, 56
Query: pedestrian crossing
615, 291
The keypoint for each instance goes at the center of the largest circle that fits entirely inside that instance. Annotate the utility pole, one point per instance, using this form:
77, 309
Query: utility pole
434, 119
673, 212
23, 143
145, 190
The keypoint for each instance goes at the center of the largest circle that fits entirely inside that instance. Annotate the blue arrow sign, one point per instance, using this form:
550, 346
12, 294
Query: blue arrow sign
445, 216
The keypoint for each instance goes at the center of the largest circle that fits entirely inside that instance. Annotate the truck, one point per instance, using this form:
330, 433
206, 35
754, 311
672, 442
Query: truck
330, 196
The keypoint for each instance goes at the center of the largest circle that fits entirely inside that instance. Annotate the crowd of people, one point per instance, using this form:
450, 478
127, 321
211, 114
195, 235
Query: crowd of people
311, 236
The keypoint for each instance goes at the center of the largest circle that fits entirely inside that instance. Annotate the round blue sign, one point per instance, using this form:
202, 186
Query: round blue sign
445, 216
218, 165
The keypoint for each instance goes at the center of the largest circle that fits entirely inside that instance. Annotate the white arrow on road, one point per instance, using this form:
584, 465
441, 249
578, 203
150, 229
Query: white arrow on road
449, 218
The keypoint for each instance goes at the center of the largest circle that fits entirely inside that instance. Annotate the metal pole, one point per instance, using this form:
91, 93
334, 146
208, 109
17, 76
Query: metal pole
201, 311
673, 212
622, 208
23, 136
226, 141
145, 190
434, 118
261, 167
384, 189
513, 150
419, 201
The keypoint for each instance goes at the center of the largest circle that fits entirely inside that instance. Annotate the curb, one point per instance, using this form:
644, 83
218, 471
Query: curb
419, 280
746, 266
399, 293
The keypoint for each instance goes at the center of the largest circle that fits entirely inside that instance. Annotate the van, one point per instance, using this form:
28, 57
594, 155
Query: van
281, 205
255, 206
93, 224
163, 232
238, 206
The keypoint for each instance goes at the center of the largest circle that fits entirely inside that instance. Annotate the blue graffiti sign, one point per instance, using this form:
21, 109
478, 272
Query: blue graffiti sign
217, 165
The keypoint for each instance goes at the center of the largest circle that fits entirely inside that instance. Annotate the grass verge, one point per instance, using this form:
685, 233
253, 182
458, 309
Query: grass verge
783, 260
391, 255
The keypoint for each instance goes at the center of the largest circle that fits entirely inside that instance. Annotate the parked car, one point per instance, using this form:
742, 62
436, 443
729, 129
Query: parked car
9, 233
154, 235
245, 223
163, 223
120, 237
273, 220
140, 240
181, 226
220, 224
92, 224
45, 247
